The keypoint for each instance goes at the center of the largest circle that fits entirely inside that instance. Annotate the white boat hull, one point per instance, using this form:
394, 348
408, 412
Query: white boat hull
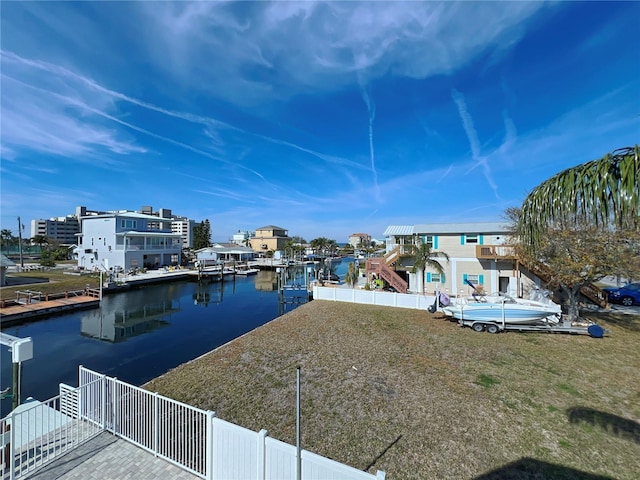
524, 312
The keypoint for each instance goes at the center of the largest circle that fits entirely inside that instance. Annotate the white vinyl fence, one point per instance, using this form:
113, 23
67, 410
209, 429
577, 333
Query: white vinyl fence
374, 297
188, 437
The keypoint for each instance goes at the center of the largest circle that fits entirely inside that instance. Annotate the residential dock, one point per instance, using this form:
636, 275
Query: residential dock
30, 304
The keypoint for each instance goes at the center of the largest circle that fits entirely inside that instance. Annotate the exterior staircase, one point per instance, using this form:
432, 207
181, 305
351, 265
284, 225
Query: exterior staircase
589, 291
380, 267
393, 256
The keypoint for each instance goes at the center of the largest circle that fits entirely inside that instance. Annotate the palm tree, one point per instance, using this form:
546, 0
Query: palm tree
424, 257
604, 192
7, 237
40, 240
600, 198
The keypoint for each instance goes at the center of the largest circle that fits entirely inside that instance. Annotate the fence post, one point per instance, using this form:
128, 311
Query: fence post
208, 449
261, 457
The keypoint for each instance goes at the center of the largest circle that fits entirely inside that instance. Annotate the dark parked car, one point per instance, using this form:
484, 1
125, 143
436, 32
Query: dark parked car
627, 295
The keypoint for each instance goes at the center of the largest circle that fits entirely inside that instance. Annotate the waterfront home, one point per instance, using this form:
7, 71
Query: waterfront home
269, 238
228, 252
127, 240
478, 253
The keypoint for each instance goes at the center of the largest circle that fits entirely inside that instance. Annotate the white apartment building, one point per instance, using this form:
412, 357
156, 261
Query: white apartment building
183, 227
127, 240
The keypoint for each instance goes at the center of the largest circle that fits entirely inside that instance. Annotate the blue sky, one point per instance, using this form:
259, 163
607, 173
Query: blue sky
323, 118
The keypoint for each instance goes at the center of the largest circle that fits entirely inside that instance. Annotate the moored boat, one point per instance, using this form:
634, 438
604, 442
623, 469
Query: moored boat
246, 270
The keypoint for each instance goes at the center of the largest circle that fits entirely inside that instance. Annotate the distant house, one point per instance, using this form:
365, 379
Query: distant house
269, 238
242, 238
224, 252
4, 264
358, 240
127, 240
477, 251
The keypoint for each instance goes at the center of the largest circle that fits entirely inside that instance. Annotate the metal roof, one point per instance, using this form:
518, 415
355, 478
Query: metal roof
143, 216
479, 227
447, 228
6, 262
398, 230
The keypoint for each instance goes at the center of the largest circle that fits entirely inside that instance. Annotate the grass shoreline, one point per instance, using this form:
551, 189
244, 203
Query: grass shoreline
414, 395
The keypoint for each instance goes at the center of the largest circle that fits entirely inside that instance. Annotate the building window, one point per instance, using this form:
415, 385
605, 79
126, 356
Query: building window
428, 240
473, 279
471, 239
435, 278
133, 224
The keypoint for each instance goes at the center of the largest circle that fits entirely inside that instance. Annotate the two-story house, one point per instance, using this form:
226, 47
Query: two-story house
269, 238
477, 253
127, 240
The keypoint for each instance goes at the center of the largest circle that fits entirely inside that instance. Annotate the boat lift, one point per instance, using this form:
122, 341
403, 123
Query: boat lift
21, 350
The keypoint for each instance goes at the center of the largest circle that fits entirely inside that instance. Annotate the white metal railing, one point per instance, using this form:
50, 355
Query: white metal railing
198, 442
374, 297
188, 437
37, 432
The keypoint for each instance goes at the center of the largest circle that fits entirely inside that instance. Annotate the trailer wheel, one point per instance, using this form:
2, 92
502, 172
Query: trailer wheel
477, 327
492, 328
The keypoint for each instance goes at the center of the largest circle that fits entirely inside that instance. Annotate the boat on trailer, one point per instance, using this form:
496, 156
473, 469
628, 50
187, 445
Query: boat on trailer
505, 309
499, 312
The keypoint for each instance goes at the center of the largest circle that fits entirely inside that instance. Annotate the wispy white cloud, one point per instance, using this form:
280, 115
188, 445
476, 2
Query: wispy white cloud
333, 41
472, 136
371, 111
37, 120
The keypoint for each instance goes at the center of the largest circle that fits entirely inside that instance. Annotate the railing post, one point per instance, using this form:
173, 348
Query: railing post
114, 406
209, 446
12, 447
103, 394
156, 417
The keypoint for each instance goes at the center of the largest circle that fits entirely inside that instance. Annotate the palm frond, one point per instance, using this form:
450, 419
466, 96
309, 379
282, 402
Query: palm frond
603, 192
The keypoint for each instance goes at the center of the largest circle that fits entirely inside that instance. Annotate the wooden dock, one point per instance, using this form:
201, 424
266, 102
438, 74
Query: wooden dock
12, 313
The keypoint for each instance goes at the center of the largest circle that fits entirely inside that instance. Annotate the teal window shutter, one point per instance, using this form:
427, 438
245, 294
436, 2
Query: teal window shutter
481, 279
481, 239
464, 278
461, 239
428, 277
442, 279
435, 242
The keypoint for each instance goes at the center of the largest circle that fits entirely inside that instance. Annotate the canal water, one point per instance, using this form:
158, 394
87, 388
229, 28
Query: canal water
140, 334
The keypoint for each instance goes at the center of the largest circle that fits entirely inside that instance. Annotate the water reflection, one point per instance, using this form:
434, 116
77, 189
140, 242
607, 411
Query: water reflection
139, 334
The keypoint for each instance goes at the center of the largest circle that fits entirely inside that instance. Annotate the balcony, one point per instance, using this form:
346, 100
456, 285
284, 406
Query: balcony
494, 252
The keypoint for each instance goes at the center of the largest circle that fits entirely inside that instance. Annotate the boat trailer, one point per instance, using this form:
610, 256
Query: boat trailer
593, 329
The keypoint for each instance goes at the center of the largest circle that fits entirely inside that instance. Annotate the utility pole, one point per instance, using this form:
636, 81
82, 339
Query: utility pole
20, 242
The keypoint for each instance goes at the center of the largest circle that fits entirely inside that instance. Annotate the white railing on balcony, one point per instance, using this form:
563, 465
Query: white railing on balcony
188, 437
